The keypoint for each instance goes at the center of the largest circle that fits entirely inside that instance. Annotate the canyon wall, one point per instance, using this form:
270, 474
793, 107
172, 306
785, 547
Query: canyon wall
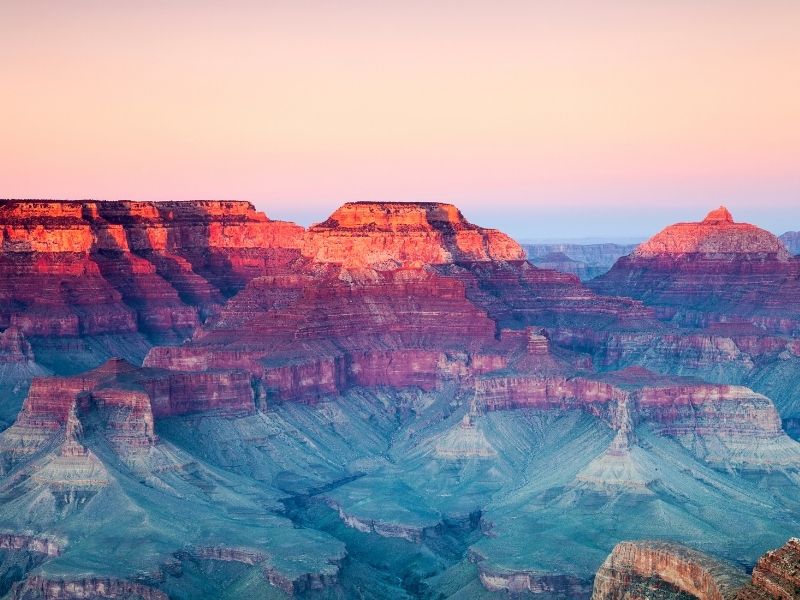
93, 267
630, 570
666, 570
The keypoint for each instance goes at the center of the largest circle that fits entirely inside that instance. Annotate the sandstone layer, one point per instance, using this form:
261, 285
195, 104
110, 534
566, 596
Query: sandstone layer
642, 569
776, 575
714, 271
92, 267
657, 569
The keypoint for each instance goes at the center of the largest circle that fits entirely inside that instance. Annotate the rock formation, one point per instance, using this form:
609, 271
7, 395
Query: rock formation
664, 570
386, 235
395, 383
776, 575
714, 271
85, 268
88, 588
657, 569
14, 348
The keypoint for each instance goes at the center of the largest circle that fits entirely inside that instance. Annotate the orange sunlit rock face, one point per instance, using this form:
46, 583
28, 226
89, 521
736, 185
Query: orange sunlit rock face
710, 272
85, 268
644, 569
390, 235
717, 234
684, 569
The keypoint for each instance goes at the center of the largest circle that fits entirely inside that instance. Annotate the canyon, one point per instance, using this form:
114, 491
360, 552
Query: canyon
791, 239
200, 402
587, 261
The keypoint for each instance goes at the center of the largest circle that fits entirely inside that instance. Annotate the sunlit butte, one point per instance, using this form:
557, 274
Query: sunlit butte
545, 119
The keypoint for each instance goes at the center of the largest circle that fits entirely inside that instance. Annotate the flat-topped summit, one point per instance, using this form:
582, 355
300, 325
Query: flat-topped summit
716, 235
386, 235
396, 216
36, 210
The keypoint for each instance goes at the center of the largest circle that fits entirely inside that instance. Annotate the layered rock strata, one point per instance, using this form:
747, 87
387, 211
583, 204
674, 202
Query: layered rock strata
776, 575
713, 271
791, 239
645, 569
387, 235
37, 587
92, 267
666, 570
122, 402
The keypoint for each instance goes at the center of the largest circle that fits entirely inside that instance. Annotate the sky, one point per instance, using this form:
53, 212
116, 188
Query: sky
548, 120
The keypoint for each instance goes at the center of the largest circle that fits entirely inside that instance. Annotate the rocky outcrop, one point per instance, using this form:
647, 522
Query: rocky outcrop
654, 569
38, 587
121, 403
714, 271
291, 584
14, 347
223, 243
715, 236
549, 585
389, 235
554, 393
734, 410
91, 267
30, 543
176, 393
227, 554
666, 570
412, 533
776, 575
302, 583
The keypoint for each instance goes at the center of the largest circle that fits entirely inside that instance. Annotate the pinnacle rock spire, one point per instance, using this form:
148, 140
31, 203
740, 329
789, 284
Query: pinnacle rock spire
720, 215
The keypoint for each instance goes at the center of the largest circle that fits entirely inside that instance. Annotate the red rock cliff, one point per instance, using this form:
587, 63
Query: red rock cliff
776, 575
713, 271
90, 267
634, 570
385, 235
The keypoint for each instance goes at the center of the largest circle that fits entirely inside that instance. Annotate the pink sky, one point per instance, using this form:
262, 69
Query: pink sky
547, 119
